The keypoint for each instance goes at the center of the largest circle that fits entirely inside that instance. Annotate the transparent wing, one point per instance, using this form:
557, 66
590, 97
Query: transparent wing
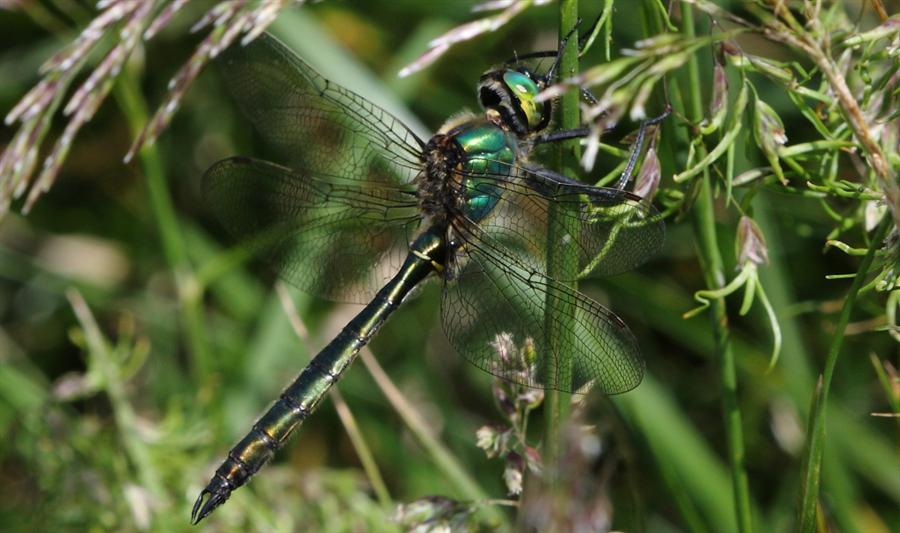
494, 311
339, 241
316, 126
613, 230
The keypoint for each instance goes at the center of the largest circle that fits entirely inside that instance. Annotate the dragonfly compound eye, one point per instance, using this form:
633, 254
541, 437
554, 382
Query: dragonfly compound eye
512, 95
526, 90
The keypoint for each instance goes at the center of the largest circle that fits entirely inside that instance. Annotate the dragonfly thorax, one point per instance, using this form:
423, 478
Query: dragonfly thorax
466, 165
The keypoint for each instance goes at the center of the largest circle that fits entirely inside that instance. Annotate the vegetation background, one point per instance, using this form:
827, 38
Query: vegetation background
134, 349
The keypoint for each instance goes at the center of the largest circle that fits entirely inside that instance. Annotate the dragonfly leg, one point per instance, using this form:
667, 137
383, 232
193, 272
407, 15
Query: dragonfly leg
561, 135
638, 147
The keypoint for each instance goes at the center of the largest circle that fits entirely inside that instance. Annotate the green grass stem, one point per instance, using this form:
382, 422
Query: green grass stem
714, 275
104, 361
812, 462
190, 298
561, 260
442, 458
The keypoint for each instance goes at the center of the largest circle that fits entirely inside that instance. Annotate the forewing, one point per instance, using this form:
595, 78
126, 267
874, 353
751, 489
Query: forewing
494, 298
316, 126
339, 241
613, 230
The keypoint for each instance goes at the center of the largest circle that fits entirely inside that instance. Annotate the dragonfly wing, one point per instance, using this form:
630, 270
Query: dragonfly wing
496, 297
613, 230
340, 241
313, 124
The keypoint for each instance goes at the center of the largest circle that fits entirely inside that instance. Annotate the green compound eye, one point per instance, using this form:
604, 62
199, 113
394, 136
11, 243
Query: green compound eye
521, 84
525, 90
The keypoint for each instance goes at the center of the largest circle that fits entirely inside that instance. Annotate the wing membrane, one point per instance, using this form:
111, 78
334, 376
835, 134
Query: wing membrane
496, 293
314, 125
340, 241
336, 220
613, 230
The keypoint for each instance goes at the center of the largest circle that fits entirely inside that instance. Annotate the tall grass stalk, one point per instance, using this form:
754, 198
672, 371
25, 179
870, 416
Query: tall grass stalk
812, 461
713, 272
189, 292
561, 259
442, 458
126, 419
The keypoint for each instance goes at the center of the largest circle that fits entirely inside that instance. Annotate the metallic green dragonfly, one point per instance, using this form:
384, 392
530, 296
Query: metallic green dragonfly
358, 208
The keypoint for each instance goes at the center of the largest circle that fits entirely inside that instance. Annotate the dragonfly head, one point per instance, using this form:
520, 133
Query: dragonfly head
509, 97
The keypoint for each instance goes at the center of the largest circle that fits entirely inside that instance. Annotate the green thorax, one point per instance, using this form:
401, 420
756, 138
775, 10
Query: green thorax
489, 154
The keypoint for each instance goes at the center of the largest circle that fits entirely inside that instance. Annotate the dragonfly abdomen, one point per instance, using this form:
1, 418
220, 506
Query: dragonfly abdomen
305, 393
297, 401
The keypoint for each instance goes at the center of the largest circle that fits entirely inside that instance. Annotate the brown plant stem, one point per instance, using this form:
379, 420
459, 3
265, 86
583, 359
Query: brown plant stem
792, 33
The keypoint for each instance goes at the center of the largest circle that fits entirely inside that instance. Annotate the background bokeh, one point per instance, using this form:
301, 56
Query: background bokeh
122, 438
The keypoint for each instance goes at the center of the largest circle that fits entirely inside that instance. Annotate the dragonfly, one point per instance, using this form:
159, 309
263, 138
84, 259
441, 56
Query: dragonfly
358, 208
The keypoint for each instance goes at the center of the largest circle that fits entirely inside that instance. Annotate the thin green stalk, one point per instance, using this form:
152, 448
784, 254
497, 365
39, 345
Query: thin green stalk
561, 258
603, 23
816, 434
362, 449
189, 294
711, 261
445, 461
126, 420
44, 18
714, 275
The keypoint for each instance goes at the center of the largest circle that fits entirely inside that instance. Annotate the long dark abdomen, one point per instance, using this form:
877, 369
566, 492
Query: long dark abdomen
301, 397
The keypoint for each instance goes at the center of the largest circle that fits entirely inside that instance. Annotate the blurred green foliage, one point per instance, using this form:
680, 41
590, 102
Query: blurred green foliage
115, 425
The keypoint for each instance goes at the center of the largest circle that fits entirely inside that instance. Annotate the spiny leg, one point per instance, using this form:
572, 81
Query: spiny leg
634, 155
561, 135
638, 147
